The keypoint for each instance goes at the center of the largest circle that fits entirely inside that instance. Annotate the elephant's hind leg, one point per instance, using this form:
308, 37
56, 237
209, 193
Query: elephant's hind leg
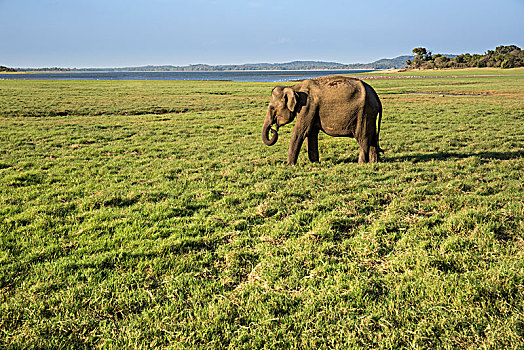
374, 150
374, 156
363, 156
370, 139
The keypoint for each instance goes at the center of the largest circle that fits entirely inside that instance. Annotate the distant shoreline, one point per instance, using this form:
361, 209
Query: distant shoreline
285, 75
187, 71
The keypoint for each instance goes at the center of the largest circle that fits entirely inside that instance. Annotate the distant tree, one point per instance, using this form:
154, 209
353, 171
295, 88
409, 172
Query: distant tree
441, 61
508, 63
420, 52
423, 58
6, 69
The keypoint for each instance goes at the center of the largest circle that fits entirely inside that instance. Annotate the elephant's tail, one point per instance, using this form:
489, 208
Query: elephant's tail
380, 150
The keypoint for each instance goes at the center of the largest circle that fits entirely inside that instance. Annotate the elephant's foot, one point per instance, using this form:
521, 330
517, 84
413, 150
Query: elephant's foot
374, 156
314, 159
363, 157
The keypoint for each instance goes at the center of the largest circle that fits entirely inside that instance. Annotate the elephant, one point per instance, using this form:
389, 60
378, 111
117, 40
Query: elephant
339, 106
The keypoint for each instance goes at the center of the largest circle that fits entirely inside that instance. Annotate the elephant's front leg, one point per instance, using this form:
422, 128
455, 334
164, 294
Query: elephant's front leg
312, 146
300, 131
297, 138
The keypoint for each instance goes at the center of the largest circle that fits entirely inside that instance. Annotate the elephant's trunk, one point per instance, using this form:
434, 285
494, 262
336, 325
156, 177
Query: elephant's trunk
265, 131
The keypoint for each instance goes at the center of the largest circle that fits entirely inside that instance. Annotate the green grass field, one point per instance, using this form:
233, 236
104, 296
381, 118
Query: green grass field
149, 214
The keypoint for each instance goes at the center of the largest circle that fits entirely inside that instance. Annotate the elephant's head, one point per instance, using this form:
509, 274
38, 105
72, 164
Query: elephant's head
282, 110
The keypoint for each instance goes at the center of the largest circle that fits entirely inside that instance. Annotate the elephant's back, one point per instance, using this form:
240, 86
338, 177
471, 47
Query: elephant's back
341, 103
336, 82
339, 91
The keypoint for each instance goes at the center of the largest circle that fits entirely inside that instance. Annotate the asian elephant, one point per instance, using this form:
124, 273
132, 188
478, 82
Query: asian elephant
337, 105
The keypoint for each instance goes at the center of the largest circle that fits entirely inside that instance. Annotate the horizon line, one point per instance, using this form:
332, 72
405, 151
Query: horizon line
207, 64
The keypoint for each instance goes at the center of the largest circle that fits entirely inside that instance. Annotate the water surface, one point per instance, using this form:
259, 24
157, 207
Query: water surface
258, 76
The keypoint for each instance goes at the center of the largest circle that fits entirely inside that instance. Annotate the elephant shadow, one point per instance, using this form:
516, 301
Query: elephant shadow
454, 155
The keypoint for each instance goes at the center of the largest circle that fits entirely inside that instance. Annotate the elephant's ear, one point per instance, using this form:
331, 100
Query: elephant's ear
291, 98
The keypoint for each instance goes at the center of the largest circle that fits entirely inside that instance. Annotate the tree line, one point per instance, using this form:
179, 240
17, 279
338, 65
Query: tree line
510, 56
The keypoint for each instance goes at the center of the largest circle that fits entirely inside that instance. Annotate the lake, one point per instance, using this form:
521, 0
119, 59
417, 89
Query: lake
258, 76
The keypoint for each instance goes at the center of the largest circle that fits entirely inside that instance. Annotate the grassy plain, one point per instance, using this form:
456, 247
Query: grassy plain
148, 214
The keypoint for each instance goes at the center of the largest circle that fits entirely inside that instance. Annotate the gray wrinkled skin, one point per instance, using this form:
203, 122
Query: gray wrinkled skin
337, 105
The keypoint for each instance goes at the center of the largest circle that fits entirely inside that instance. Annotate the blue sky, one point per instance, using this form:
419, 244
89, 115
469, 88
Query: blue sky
119, 33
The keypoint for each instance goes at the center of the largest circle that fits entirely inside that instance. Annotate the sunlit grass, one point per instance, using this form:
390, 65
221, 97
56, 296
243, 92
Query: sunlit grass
150, 214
